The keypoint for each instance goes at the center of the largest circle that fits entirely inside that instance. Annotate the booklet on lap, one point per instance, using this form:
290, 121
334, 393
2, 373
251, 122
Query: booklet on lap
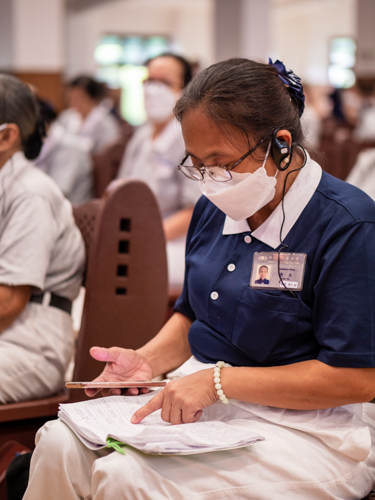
96, 420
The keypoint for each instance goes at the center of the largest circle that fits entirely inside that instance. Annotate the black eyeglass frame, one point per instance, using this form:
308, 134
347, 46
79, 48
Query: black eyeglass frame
203, 169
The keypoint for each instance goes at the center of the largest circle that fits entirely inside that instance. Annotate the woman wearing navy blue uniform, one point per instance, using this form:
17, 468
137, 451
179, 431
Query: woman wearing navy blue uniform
295, 365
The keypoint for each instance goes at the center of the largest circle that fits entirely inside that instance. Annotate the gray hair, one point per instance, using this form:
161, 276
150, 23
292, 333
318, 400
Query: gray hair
18, 105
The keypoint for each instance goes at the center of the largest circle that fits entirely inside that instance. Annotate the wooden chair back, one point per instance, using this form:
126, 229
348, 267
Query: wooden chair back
127, 282
86, 217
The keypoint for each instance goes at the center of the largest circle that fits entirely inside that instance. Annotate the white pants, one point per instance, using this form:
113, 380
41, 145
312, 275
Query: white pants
35, 352
288, 465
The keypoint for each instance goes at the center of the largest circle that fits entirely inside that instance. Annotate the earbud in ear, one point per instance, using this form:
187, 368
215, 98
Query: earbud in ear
280, 151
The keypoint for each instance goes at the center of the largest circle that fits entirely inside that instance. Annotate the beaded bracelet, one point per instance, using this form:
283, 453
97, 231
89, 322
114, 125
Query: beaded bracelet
219, 365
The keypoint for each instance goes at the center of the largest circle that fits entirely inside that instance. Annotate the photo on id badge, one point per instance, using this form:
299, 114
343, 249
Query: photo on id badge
263, 273
275, 271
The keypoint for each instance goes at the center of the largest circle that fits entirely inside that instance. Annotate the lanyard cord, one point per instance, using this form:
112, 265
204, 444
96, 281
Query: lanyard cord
282, 244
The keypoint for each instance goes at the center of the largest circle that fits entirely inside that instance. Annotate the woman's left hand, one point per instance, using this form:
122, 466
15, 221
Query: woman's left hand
182, 401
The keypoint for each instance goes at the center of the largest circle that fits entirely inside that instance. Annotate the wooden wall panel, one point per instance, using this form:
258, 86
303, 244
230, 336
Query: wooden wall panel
49, 86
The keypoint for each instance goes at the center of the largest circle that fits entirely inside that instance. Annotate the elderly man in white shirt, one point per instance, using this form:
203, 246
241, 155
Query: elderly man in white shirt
41, 257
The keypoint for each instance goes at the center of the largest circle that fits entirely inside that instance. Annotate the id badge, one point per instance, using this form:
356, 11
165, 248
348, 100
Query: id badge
265, 272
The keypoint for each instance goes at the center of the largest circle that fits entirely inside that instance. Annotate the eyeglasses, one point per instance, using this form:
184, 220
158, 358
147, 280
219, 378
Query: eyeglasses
3, 126
218, 173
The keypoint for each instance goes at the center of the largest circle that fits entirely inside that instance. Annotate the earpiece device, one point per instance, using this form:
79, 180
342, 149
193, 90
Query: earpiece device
281, 152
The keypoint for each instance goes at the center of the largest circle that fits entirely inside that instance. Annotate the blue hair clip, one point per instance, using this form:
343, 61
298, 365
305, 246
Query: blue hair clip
292, 81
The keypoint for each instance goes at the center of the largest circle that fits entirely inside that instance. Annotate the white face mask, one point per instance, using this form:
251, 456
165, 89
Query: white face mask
244, 194
159, 101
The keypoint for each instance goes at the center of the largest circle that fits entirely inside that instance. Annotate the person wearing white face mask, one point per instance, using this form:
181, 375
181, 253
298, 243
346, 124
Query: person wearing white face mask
244, 194
154, 151
292, 358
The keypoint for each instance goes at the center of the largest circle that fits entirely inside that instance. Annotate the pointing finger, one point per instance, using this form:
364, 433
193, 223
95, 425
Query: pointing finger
154, 404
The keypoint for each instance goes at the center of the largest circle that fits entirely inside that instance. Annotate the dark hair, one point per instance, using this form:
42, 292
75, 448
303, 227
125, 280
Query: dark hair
246, 94
92, 87
262, 267
187, 73
18, 105
47, 112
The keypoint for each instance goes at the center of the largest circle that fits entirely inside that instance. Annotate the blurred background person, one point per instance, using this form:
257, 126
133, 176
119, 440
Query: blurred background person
64, 159
362, 174
311, 120
156, 149
365, 127
90, 114
41, 257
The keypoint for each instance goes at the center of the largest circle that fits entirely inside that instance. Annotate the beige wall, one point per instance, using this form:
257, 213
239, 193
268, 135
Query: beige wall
40, 38
189, 23
32, 40
366, 39
301, 30
38, 35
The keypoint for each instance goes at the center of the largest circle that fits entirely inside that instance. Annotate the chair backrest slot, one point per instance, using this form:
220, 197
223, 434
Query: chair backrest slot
125, 225
123, 246
122, 270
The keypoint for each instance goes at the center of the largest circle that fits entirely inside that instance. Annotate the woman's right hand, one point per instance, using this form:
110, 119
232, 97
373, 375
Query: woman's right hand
122, 364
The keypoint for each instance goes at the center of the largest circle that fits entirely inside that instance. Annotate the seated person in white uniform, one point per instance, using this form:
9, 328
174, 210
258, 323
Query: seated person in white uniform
155, 150
41, 257
362, 174
89, 115
64, 160
299, 364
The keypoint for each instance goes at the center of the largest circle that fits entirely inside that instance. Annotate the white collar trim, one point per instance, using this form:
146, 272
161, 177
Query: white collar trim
296, 199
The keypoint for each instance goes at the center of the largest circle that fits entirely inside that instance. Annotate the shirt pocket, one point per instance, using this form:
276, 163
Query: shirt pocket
265, 325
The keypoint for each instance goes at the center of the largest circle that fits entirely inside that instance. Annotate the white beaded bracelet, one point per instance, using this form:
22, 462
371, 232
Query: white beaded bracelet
219, 365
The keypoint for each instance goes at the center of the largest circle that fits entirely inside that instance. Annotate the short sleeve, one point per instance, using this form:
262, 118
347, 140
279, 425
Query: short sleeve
344, 306
182, 304
26, 242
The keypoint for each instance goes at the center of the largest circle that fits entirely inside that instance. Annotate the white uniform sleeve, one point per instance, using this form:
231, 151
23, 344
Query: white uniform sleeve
106, 133
65, 168
26, 242
130, 155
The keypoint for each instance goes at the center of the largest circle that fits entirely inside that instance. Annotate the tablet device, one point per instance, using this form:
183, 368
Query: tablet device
114, 385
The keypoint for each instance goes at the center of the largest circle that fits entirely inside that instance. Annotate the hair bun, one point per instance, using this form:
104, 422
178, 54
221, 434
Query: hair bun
292, 82
34, 143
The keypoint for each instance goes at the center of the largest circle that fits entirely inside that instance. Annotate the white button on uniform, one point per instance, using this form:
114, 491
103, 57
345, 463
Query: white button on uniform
214, 295
231, 267
247, 239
